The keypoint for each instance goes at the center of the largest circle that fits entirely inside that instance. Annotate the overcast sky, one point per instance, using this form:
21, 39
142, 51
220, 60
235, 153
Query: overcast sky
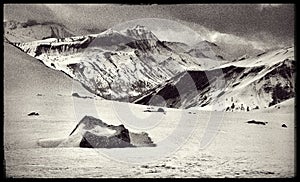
260, 25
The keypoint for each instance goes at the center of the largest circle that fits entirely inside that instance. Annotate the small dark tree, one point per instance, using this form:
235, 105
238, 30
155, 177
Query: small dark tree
242, 107
232, 106
228, 108
256, 107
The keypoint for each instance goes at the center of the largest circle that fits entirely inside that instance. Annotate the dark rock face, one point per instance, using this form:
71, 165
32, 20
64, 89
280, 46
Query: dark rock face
257, 122
48, 48
119, 139
282, 90
170, 91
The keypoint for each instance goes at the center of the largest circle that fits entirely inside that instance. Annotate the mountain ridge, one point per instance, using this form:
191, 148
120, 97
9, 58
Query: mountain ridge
131, 65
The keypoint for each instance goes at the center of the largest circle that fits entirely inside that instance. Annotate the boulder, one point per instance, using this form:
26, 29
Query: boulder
33, 114
75, 94
284, 125
91, 140
79, 96
97, 134
160, 110
257, 122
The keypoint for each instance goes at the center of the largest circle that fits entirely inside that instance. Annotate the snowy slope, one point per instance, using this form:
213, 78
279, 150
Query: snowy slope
26, 77
286, 107
266, 58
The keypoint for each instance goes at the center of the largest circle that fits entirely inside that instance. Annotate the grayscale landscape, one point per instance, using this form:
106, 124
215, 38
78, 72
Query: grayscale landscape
137, 91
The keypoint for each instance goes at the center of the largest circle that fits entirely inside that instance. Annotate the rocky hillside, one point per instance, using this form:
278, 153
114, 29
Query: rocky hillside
247, 84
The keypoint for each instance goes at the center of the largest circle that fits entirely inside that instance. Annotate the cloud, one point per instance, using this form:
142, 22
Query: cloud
216, 37
258, 40
237, 45
243, 20
192, 33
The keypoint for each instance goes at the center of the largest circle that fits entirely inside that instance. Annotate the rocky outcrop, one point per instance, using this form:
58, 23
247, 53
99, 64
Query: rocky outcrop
97, 134
118, 140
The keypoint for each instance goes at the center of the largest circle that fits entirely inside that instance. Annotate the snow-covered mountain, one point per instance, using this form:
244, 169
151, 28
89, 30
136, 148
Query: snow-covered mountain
247, 84
134, 64
32, 30
208, 49
116, 65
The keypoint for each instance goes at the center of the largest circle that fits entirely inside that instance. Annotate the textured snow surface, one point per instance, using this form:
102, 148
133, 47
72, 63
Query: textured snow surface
238, 149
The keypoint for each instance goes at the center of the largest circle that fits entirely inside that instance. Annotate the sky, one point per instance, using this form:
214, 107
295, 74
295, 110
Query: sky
249, 26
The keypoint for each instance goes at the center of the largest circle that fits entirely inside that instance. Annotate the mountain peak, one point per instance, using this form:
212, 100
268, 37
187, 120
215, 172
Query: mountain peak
140, 32
110, 31
205, 43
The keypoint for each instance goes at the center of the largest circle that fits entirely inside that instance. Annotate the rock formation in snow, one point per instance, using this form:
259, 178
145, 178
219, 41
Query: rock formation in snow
91, 132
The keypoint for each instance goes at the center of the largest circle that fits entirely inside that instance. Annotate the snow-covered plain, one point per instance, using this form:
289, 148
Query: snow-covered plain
239, 149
